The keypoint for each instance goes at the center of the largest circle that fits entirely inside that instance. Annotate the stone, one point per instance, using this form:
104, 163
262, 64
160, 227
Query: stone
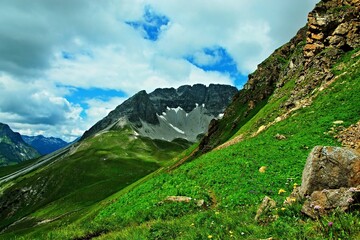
319, 36
342, 29
330, 168
337, 40
280, 136
178, 199
322, 202
185, 199
265, 208
201, 203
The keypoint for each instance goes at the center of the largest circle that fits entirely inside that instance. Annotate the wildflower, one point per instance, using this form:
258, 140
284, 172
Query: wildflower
217, 213
210, 236
289, 200
330, 224
352, 189
242, 233
231, 232
281, 191
283, 209
262, 169
317, 207
295, 185
192, 224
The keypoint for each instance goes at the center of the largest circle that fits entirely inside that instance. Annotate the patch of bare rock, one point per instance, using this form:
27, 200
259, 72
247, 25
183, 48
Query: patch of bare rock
330, 180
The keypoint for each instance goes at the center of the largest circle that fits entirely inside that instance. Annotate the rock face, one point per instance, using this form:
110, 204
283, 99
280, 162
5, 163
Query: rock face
44, 145
330, 180
330, 168
12, 147
331, 31
170, 113
321, 202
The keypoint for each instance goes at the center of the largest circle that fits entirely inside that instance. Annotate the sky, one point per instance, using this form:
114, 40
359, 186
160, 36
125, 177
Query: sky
65, 64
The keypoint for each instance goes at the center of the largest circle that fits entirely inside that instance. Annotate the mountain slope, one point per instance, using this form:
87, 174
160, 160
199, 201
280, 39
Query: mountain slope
332, 30
122, 148
44, 145
12, 147
304, 103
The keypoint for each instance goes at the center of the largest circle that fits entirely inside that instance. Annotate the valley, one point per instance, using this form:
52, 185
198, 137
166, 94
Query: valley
199, 162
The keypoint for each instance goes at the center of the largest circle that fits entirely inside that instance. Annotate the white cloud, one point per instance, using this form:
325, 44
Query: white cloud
98, 109
110, 54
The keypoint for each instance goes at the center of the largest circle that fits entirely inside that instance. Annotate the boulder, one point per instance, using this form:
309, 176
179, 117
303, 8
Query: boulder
321, 202
330, 168
265, 208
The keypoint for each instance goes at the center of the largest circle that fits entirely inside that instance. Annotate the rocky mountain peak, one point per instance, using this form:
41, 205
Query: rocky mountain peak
12, 147
144, 110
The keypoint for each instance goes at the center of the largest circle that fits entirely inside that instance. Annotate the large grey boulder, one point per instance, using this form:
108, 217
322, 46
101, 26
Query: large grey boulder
330, 168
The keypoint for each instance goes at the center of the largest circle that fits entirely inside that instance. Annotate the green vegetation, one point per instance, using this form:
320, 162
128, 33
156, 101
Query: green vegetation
228, 180
98, 168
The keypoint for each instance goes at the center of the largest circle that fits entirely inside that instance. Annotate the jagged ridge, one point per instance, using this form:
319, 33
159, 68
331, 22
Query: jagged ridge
143, 109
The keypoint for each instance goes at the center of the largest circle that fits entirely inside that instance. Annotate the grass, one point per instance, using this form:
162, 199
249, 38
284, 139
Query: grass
229, 182
100, 167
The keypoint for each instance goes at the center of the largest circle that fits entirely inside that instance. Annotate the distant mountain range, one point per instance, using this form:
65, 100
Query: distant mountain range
44, 145
12, 147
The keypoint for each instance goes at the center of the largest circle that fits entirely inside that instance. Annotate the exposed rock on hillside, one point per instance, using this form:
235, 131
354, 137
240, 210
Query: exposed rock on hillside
322, 202
170, 113
331, 31
350, 137
330, 180
330, 168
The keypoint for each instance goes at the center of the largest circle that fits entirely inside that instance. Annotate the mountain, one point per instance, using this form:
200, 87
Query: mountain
44, 145
12, 147
304, 95
170, 113
141, 136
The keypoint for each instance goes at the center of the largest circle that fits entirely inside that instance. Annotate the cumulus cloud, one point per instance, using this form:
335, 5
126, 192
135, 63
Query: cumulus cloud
48, 48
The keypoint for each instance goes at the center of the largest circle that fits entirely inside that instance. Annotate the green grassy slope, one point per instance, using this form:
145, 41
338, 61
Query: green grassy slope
229, 182
99, 167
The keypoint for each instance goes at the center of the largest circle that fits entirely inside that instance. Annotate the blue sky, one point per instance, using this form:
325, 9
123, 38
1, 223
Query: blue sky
65, 64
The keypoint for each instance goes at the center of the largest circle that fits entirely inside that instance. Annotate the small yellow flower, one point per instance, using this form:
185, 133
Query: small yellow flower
210, 236
217, 213
262, 169
296, 185
281, 191
283, 209
231, 232
192, 224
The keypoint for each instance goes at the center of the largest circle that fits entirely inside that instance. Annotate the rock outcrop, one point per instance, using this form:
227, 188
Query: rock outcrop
330, 180
350, 137
330, 168
322, 202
